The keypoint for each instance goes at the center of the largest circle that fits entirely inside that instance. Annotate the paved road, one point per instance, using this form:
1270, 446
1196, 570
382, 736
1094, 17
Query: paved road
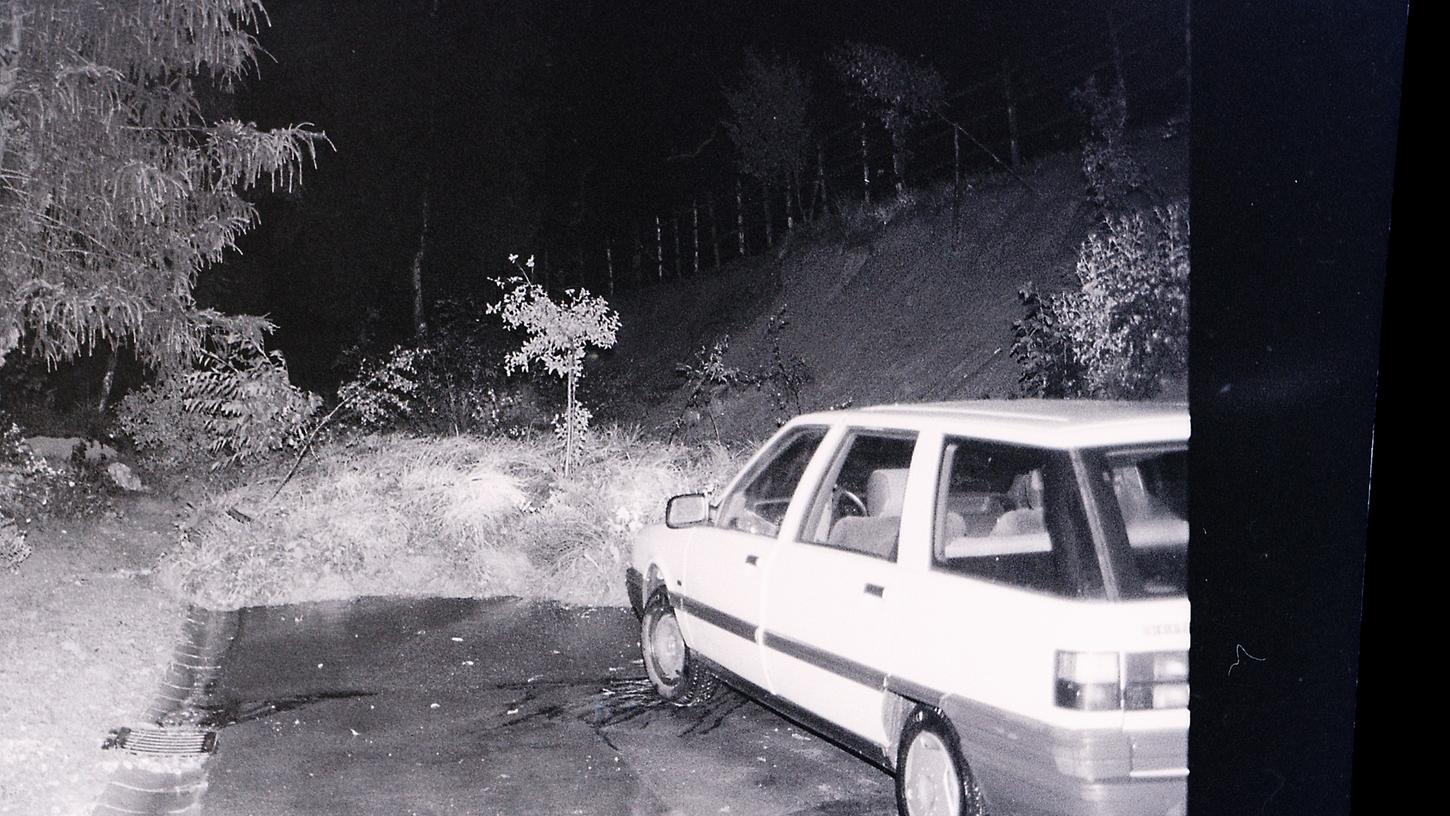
438, 707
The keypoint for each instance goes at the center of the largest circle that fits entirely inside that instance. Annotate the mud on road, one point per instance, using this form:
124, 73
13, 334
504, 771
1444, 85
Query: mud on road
497, 707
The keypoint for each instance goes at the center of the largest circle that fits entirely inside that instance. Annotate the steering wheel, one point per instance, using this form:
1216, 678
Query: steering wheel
849, 504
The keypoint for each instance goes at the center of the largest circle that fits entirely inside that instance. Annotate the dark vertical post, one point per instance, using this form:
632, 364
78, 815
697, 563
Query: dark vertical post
637, 260
609, 265
1117, 54
765, 207
675, 228
1188, 51
956, 159
714, 231
819, 196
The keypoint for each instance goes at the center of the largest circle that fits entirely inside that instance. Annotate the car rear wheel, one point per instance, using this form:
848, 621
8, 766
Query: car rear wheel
673, 670
932, 778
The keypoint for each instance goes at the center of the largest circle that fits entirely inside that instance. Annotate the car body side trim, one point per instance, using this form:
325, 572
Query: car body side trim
715, 617
829, 661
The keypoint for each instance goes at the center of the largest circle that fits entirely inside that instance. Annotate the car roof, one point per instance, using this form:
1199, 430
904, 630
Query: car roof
1054, 423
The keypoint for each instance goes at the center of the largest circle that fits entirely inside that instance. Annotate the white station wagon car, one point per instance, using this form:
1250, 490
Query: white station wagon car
985, 598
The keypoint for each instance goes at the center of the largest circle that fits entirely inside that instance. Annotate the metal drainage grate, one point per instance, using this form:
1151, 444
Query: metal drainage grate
167, 741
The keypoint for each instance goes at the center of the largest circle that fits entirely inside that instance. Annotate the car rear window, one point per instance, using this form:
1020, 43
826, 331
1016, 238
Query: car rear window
1013, 515
1146, 519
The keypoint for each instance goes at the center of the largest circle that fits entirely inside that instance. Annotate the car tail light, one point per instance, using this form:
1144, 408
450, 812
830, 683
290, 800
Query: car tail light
1107, 681
1156, 680
1088, 681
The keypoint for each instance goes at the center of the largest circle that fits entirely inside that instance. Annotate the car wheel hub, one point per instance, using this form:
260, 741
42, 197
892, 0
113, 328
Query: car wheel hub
668, 649
932, 786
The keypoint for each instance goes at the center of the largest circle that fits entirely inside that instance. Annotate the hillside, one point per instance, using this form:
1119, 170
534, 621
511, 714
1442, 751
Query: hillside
909, 310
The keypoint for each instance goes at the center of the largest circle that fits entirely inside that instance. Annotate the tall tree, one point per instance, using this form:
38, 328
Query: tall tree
116, 188
899, 93
769, 123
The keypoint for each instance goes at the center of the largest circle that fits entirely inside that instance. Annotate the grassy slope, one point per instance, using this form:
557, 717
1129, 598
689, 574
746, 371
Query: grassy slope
909, 311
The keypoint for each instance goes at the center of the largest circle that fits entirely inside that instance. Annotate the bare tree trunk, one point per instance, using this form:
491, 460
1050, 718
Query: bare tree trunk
1011, 113
1117, 54
789, 216
108, 380
420, 321
695, 232
739, 217
659, 249
795, 183
569, 430
956, 161
898, 160
865, 166
818, 197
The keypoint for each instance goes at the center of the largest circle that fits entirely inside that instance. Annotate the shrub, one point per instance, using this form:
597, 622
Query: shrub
155, 418
32, 489
708, 379
783, 376
27, 483
13, 549
384, 392
236, 405
1111, 171
1125, 329
1042, 348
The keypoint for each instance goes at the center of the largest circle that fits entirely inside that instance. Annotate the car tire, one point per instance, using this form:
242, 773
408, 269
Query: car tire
932, 777
674, 671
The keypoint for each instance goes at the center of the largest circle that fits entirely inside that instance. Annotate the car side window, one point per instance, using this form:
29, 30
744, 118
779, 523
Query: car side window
1013, 515
858, 506
759, 503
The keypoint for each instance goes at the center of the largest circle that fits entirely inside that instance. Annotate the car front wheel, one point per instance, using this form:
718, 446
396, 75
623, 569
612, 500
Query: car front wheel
673, 671
932, 778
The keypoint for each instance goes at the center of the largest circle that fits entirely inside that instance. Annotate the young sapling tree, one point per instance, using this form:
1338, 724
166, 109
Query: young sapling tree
559, 333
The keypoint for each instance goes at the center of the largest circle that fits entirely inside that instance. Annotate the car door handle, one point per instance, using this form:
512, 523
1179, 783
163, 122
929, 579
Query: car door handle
750, 560
875, 589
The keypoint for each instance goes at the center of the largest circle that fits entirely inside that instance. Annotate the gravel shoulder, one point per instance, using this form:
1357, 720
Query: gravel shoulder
85, 635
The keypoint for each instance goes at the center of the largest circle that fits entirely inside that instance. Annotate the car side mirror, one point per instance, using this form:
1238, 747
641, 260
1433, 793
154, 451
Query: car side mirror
687, 511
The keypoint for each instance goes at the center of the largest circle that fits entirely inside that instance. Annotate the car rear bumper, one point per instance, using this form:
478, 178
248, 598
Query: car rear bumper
1035, 768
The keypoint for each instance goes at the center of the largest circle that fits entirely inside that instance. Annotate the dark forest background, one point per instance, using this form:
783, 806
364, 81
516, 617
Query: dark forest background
559, 128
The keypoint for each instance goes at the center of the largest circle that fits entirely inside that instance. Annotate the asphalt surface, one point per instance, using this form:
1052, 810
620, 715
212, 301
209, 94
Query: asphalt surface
404, 708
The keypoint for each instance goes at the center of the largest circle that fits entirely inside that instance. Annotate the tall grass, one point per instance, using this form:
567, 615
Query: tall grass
456, 516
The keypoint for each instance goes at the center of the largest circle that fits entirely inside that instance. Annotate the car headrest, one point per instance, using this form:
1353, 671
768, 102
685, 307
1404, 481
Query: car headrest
886, 491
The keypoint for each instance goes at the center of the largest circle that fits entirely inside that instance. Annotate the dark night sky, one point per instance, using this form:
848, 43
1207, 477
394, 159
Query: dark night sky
551, 124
